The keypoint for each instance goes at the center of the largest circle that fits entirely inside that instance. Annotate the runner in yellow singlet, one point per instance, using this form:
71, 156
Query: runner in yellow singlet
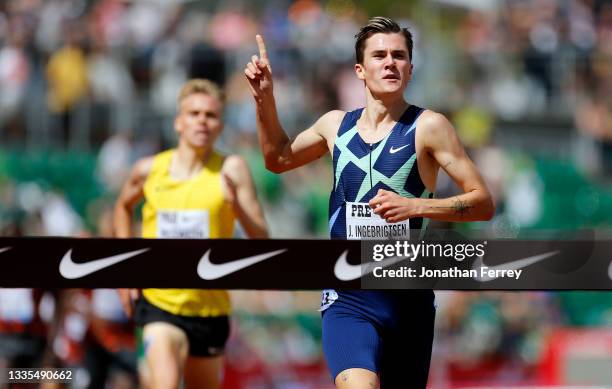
190, 192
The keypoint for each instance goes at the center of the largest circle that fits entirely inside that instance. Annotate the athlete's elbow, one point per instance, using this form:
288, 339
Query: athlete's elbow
488, 210
484, 207
273, 165
275, 156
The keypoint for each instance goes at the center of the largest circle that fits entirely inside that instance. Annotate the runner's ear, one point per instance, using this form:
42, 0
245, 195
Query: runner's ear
359, 71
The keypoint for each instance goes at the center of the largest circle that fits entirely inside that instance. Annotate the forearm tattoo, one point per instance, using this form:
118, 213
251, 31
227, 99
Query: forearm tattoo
461, 208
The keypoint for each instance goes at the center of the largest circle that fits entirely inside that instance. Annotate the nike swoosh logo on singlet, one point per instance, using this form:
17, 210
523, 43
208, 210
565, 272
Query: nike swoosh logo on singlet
513, 265
71, 270
5, 249
210, 271
393, 150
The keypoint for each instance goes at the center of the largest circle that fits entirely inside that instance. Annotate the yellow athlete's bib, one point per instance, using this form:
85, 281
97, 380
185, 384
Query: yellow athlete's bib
193, 208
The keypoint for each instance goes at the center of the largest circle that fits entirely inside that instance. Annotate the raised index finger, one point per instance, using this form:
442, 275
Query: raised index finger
263, 54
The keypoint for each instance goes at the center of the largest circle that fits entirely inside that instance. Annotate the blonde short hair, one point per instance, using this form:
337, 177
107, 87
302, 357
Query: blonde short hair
200, 85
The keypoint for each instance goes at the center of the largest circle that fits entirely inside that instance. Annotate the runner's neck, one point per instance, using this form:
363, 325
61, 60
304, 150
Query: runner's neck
187, 162
379, 115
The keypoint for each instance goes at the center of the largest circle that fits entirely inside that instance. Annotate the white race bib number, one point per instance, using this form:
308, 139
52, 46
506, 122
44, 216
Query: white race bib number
183, 224
363, 224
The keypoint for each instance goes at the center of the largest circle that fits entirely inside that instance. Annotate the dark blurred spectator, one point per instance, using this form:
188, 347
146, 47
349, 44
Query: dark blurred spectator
68, 82
14, 77
114, 160
110, 343
594, 120
112, 90
23, 332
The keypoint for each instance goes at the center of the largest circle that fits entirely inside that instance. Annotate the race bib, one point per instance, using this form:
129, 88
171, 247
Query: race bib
363, 224
185, 224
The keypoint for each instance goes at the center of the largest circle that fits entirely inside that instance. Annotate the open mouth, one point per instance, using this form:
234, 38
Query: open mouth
390, 77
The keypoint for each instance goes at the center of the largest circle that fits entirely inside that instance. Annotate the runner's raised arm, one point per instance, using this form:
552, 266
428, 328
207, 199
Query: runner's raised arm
280, 152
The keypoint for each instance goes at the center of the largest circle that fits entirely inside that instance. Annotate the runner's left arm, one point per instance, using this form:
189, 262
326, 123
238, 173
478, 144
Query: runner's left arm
442, 144
240, 191
131, 193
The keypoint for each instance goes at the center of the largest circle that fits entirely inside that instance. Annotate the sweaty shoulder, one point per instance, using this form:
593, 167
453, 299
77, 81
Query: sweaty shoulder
143, 167
233, 161
431, 121
328, 124
235, 166
434, 126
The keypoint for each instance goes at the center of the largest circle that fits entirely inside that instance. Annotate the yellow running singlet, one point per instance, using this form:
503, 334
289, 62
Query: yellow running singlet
193, 208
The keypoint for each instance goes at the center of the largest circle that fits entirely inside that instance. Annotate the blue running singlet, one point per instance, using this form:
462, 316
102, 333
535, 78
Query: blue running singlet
387, 332
361, 169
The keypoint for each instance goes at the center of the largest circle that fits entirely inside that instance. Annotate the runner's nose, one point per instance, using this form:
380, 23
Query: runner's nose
389, 61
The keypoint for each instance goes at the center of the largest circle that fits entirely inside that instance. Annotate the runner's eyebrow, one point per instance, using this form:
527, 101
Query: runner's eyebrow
395, 52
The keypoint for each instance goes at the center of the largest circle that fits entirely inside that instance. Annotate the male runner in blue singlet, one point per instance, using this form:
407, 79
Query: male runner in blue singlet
386, 156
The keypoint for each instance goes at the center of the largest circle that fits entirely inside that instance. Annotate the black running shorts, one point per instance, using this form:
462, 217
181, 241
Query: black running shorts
206, 335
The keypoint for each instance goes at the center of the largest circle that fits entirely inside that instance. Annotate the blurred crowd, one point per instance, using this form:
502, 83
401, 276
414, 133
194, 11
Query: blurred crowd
519, 79
74, 72
88, 87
